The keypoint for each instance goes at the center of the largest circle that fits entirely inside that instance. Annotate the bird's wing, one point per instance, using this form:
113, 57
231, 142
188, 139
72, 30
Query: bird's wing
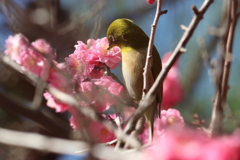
156, 68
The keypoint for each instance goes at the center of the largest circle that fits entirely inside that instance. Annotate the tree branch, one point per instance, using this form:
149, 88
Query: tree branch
226, 59
40, 142
147, 67
149, 98
229, 46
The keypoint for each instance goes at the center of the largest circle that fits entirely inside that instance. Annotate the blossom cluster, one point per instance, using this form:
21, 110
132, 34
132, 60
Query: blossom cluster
180, 143
26, 54
86, 67
170, 117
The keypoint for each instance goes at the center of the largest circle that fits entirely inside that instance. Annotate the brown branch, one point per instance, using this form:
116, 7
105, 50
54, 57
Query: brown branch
110, 153
147, 67
226, 59
149, 98
229, 46
62, 146
61, 129
41, 85
40, 142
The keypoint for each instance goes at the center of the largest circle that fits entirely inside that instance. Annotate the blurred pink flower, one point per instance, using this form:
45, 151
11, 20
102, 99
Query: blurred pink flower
76, 62
108, 83
97, 52
57, 79
192, 144
77, 119
42, 46
96, 95
20, 50
170, 117
54, 103
15, 46
89, 59
99, 132
172, 88
150, 1
128, 112
32, 61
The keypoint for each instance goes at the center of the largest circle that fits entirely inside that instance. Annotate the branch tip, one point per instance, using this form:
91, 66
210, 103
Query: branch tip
183, 27
238, 15
164, 12
195, 10
183, 50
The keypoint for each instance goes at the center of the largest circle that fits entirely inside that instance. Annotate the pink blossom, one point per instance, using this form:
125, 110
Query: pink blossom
150, 1
15, 46
42, 46
89, 59
99, 132
98, 53
191, 144
128, 112
166, 57
57, 79
32, 61
108, 83
54, 103
77, 119
97, 97
170, 117
112, 117
172, 88
89, 90
76, 62
222, 148
98, 92
20, 50
103, 102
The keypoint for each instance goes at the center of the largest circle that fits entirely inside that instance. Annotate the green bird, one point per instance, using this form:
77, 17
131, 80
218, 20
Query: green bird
133, 42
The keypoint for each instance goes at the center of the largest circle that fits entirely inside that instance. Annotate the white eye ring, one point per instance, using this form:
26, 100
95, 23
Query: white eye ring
111, 38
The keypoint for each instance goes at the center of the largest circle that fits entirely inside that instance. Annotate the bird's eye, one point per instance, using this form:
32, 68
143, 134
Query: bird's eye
111, 38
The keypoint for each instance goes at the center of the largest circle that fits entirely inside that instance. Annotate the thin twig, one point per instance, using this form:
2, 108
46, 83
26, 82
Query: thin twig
220, 99
147, 67
41, 85
51, 124
149, 98
109, 153
40, 142
229, 46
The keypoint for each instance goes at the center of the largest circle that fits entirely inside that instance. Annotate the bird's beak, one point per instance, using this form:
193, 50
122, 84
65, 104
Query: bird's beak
111, 45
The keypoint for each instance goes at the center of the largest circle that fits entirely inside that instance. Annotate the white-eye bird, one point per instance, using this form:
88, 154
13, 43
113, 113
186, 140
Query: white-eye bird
133, 42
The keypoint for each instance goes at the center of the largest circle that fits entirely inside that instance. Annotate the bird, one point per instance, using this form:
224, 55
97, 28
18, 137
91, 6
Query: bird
133, 42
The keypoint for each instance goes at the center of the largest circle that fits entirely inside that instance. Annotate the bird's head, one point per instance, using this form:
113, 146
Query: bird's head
120, 32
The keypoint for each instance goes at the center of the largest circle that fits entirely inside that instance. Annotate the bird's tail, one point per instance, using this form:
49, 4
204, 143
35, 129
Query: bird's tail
150, 116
